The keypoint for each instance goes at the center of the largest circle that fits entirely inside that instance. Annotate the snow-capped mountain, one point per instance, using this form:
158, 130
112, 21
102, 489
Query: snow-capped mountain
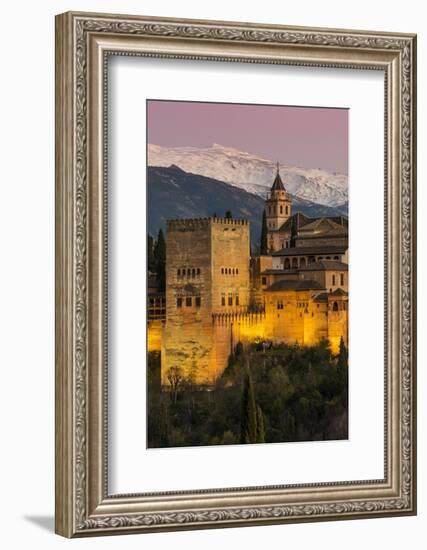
252, 173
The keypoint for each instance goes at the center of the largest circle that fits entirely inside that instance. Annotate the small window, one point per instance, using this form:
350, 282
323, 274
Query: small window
264, 280
281, 209
237, 270
223, 300
237, 299
222, 270
198, 301
188, 301
179, 302
287, 210
232, 271
183, 272
193, 272
179, 273
335, 306
198, 271
333, 280
230, 299
342, 279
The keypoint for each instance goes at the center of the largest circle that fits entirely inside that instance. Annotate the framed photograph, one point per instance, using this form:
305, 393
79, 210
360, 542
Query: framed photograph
235, 274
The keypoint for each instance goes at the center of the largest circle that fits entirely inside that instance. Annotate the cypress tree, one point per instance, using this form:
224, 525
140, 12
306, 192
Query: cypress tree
263, 243
260, 438
249, 427
294, 231
342, 356
228, 215
151, 261
160, 260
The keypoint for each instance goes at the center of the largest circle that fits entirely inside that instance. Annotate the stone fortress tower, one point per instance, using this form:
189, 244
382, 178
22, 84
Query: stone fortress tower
207, 274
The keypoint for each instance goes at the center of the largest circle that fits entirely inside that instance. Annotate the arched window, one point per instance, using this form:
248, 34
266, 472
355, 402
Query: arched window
237, 299
328, 257
335, 306
333, 279
287, 210
342, 279
287, 264
222, 270
179, 273
281, 209
336, 257
237, 270
230, 299
302, 262
320, 258
294, 262
193, 272
198, 271
183, 272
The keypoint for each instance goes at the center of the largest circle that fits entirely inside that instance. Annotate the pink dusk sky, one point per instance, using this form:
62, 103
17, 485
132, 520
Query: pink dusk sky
309, 137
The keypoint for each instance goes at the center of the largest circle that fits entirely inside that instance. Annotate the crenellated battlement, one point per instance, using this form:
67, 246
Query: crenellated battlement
198, 223
244, 317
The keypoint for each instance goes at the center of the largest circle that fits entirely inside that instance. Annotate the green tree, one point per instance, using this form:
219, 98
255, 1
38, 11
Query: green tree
228, 215
260, 435
248, 432
164, 427
263, 243
160, 260
294, 231
342, 358
151, 260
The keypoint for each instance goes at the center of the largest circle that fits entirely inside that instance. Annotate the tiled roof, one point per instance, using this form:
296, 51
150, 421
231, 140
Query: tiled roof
310, 250
326, 265
322, 297
294, 285
278, 183
339, 292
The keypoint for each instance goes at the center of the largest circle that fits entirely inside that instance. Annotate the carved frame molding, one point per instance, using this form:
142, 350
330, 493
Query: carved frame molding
83, 43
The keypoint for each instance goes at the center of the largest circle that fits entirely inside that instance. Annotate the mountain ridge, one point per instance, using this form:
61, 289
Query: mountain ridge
175, 193
253, 173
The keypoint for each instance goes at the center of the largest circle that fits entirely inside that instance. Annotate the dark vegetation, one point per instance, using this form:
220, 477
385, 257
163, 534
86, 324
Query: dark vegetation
285, 393
156, 259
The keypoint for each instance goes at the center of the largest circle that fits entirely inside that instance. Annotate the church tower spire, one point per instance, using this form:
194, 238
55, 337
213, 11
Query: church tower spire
278, 208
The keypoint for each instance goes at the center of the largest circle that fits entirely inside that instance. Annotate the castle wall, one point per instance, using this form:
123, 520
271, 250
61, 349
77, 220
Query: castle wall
304, 321
154, 335
230, 245
188, 336
207, 271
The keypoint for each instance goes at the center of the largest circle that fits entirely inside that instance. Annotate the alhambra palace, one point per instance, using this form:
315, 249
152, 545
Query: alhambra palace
218, 295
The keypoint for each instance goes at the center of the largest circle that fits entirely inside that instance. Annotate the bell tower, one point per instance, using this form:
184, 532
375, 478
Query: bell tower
278, 208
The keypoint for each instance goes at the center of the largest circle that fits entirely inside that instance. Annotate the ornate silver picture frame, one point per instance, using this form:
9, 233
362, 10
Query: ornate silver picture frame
84, 42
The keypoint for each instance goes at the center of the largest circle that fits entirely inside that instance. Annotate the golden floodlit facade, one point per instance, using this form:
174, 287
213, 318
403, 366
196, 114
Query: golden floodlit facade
217, 295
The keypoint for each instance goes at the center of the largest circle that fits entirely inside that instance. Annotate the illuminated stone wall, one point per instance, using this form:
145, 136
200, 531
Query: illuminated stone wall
207, 272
